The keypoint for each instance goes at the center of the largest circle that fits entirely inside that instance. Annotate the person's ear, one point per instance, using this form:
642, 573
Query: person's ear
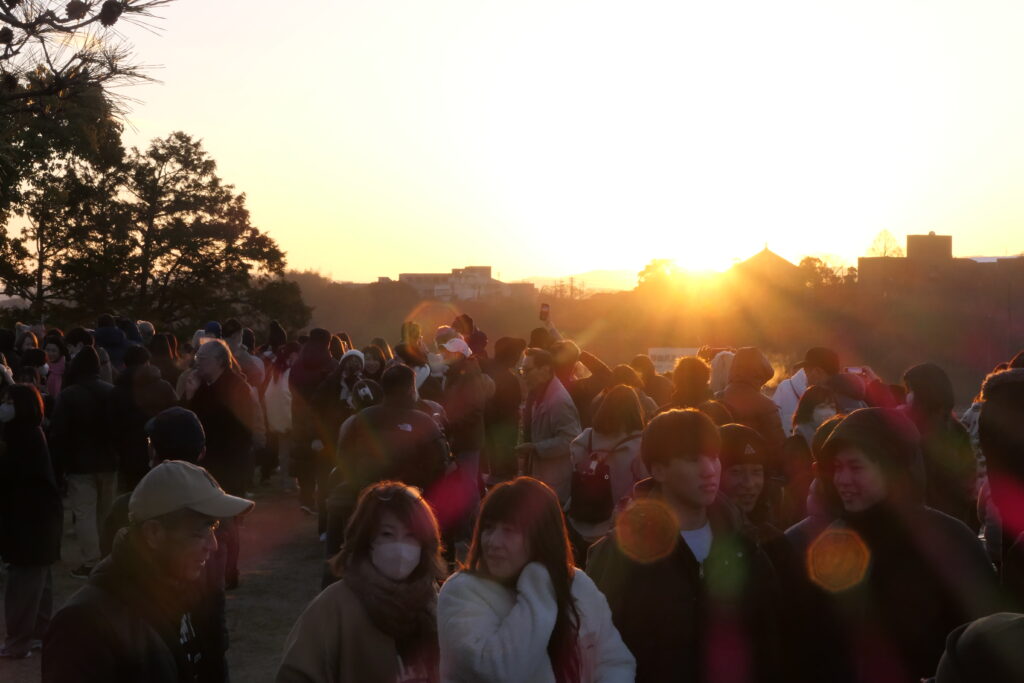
154, 535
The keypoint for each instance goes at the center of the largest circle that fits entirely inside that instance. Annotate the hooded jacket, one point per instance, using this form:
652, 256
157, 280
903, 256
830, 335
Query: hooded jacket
750, 370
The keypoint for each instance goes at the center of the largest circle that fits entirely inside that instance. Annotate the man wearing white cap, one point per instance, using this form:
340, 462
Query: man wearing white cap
464, 398
132, 621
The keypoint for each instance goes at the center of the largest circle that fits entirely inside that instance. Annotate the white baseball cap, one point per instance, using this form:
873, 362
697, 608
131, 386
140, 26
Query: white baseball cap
177, 485
458, 345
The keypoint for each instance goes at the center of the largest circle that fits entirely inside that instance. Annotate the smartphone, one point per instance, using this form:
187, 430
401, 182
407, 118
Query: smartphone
854, 370
545, 311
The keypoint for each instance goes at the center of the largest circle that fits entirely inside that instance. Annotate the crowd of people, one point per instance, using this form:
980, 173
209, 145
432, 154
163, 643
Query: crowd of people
516, 511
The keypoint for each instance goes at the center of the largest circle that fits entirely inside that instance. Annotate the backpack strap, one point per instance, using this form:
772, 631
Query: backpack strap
606, 452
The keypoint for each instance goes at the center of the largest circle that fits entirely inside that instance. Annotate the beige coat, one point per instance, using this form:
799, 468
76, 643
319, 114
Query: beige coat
335, 642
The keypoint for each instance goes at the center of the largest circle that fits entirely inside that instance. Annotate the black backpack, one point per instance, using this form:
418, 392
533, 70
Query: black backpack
591, 499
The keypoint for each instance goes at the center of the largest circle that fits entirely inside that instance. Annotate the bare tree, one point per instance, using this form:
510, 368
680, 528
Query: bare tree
885, 245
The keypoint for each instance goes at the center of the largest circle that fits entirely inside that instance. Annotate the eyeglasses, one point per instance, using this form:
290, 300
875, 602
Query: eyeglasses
385, 495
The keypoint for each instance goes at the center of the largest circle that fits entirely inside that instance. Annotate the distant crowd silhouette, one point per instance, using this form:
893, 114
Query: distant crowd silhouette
516, 511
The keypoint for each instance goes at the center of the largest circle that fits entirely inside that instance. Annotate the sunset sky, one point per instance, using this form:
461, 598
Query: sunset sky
557, 137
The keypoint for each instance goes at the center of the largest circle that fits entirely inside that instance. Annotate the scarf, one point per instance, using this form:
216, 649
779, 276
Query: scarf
404, 610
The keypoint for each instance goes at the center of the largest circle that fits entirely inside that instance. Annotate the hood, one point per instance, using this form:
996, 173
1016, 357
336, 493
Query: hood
750, 366
889, 438
354, 353
933, 390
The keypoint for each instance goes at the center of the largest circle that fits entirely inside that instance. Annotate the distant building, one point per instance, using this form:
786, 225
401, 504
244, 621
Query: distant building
465, 284
930, 269
971, 309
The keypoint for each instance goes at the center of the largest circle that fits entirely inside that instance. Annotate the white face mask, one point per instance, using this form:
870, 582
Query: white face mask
822, 413
396, 559
6, 412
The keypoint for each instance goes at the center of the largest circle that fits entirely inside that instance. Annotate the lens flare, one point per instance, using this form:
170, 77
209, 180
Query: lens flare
838, 560
647, 531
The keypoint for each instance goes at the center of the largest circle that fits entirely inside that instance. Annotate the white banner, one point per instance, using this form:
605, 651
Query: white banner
665, 357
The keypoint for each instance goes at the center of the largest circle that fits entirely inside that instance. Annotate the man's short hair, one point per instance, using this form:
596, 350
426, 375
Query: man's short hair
541, 358
398, 380
566, 354
678, 434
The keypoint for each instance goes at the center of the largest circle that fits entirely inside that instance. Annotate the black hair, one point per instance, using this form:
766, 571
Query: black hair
685, 433
397, 381
79, 335
814, 396
231, 327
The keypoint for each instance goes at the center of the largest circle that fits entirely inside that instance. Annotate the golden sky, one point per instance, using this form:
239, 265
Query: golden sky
554, 137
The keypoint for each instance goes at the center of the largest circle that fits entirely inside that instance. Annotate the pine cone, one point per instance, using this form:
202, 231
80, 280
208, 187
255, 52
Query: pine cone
77, 10
110, 12
6, 35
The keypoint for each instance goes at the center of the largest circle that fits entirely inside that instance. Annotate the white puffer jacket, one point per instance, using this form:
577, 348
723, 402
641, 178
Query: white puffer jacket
489, 632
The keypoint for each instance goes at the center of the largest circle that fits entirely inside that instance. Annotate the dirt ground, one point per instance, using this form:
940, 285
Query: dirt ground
281, 564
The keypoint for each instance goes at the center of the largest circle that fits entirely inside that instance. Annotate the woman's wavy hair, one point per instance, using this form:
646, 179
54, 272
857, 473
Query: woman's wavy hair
532, 507
407, 504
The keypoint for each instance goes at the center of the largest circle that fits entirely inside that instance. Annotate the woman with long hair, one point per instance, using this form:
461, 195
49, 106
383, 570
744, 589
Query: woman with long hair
610, 446
374, 362
31, 517
163, 356
817, 404
377, 623
519, 610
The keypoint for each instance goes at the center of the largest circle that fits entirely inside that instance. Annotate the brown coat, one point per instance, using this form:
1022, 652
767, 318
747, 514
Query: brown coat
335, 642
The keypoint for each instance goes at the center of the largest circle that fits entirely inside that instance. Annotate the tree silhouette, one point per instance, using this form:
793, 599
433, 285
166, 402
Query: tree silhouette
885, 244
159, 235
